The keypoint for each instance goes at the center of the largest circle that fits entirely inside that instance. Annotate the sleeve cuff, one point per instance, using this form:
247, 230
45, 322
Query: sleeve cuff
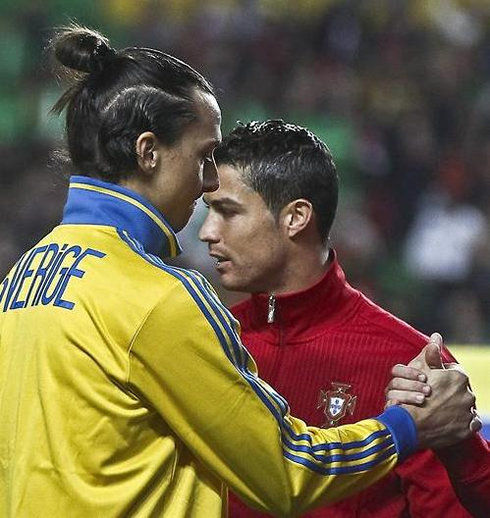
402, 429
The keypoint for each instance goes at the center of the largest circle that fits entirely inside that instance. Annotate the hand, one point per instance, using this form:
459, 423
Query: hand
409, 382
446, 413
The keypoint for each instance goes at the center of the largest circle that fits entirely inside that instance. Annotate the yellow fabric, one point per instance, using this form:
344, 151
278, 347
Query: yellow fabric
123, 392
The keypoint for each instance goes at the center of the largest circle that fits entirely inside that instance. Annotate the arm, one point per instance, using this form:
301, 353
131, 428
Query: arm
428, 495
188, 362
468, 466
467, 462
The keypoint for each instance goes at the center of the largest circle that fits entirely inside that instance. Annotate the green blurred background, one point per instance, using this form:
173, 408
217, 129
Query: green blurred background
398, 89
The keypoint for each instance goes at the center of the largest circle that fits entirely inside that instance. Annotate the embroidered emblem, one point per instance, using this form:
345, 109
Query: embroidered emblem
336, 403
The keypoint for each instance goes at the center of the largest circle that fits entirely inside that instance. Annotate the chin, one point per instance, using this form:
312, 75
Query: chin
234, 285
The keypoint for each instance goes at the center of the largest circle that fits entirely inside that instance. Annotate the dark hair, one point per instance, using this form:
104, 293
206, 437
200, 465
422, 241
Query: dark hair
114, 96
283, 162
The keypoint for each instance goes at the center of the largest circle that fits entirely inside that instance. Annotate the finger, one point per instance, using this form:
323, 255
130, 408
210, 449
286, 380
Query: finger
436, 338
409, 386
433, 355
406, 397
408, 372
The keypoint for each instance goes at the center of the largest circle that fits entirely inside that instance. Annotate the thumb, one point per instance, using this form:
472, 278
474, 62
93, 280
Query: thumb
420, 361
433, 356
433, 351
430, 356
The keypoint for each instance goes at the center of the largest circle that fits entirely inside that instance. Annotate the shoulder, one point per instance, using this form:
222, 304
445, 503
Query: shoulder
388, 327
170, 286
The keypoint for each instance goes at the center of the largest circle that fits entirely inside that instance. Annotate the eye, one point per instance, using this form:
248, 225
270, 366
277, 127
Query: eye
228, 212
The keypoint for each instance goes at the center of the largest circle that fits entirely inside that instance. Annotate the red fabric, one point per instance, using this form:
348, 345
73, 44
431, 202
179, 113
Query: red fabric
468, 464
332, 333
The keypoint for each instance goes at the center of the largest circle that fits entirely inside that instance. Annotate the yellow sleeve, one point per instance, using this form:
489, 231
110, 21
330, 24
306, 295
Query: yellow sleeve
188, 362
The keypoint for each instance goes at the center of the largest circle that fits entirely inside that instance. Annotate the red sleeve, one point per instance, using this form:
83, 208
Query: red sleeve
427, 488
468, 465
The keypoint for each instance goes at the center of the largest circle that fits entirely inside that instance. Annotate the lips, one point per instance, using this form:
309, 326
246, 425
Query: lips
220, 259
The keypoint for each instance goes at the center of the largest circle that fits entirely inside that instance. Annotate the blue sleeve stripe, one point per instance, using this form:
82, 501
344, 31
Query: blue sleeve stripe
277, 405
237, 355
342, 470
227, 319
341, 457
347, 446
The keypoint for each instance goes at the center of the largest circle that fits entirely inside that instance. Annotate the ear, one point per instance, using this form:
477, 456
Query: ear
147, 153
296, 216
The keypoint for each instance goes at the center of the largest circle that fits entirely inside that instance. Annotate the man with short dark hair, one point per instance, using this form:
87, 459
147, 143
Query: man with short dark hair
316, 339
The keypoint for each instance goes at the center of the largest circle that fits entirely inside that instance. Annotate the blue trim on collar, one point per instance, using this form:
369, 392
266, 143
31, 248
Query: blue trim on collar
102, 203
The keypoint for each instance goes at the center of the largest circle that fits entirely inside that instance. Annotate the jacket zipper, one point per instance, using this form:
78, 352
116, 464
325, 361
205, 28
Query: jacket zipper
271, 317
271, 309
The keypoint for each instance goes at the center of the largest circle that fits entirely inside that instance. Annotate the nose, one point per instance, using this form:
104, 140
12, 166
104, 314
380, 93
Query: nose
208, 233
210, 177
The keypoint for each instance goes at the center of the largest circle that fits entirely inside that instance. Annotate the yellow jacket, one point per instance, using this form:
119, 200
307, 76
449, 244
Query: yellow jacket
125, 389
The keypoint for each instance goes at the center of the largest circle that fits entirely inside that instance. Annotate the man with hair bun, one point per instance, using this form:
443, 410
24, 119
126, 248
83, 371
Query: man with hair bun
326, 347
124, 387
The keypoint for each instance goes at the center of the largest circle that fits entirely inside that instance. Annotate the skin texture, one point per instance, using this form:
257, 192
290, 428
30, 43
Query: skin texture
255, 251
445, 417
173, 177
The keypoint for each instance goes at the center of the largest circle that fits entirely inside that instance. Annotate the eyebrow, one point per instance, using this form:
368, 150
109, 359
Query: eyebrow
222, 202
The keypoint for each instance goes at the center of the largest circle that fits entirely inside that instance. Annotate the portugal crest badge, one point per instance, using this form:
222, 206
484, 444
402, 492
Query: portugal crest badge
336, 403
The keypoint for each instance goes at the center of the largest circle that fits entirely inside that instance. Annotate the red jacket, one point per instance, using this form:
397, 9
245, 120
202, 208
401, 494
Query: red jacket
468, 465
329, 352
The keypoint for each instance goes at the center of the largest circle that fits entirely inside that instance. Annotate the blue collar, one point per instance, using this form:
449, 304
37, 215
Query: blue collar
95, 202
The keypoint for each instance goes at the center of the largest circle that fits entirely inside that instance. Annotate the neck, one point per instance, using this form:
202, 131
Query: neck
303, 270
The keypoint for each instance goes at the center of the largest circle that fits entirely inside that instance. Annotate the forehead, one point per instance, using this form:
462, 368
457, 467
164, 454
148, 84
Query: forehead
232, 188
208, 124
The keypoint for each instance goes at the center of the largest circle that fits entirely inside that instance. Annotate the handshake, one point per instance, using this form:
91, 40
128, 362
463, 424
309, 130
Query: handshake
437, 396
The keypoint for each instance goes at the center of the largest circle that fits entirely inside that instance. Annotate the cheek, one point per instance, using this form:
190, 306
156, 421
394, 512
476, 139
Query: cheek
259, 252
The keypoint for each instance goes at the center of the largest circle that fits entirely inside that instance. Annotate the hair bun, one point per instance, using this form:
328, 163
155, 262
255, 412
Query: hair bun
82, 49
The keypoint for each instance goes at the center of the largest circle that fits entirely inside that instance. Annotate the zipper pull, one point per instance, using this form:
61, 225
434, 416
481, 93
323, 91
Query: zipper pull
271, 309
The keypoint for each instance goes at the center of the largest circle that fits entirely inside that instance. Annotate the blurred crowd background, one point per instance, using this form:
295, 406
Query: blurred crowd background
398, 89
